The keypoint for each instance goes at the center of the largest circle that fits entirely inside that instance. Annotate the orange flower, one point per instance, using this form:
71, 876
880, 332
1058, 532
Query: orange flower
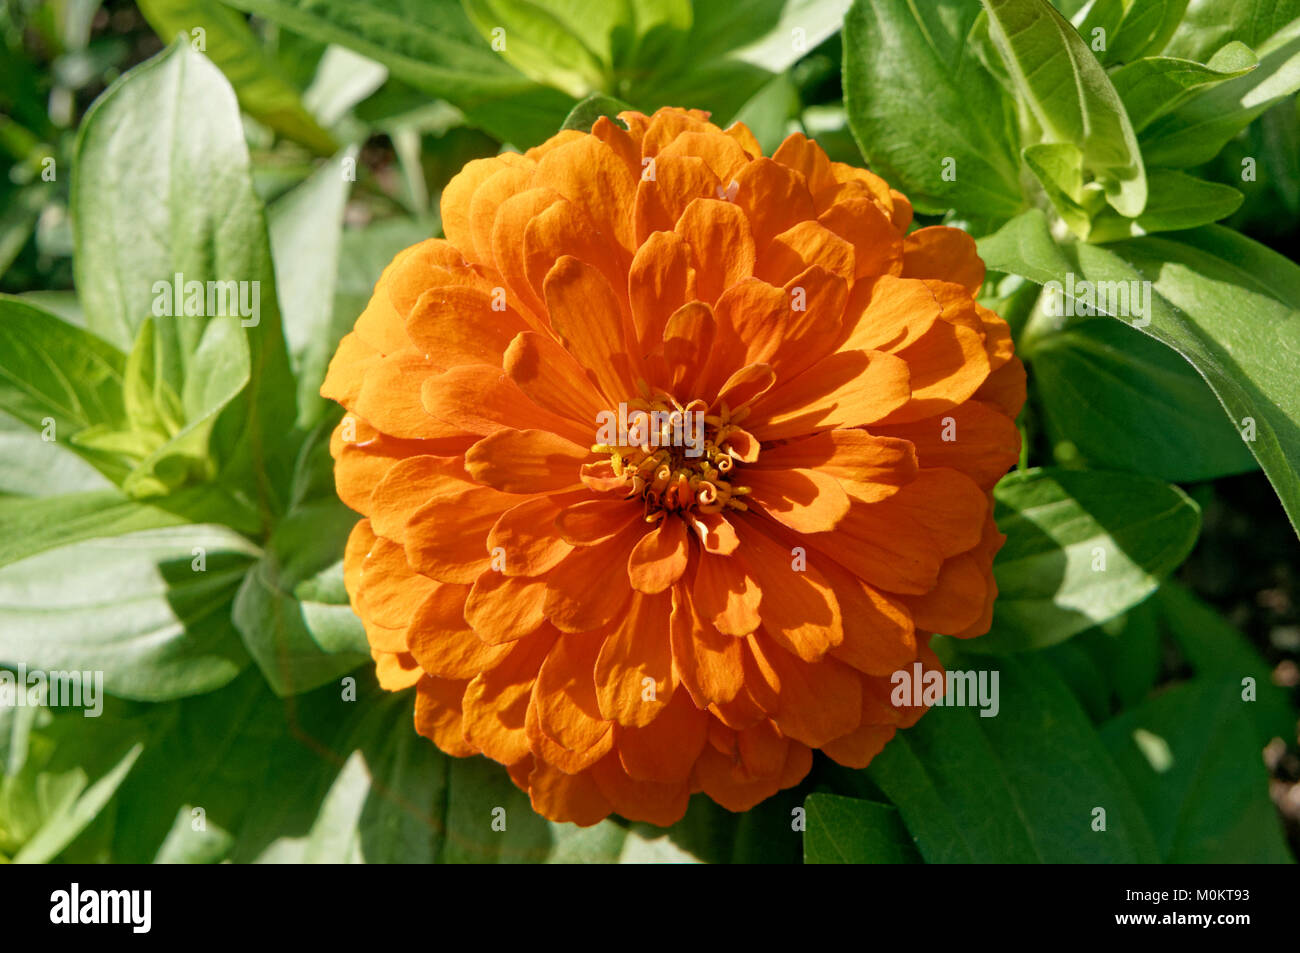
670, 455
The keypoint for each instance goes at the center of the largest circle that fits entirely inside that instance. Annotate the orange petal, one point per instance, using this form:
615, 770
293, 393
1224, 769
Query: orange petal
799, 608
975, 438
774, 197
665, 749
563, 230
879, 634
591, 175
395, 671
503, 608
588, 319
390, 398
589, 522
526, 461
514, 176
667, 187
407, 485
589, 587
659, 558
955, 602
446, 538
802, 154
722, 248
634, 669
496, 701
945, 253
437, 714
723, 155
886, 547
552, 379
687, 342
390, 591
868, 467
565, 696
567, 797
442, 641
456, 197
659, 282
819, 701
647, 801
858, 747
707, 662
947, 363
525, 537
890, 313
727, 595
1005, 388
801, 246
877, 249
807, 501
460, 324
847, 389
347, 370
715, 532
480, 399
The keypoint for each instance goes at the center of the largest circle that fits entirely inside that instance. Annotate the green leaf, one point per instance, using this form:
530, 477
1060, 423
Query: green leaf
561, 44
1128, 402
1130, 29
62, 784
1194, 765
1070, 96
59, 772
276, 626
30, 466
218, 374
343, 79
31, 526
585, 114
264, 93
306, 228
1082, 547
151, 610
51, 370
1155, 85
1208, 24
1195, 132
433, 46
1218, 652
1059, 169
215, 757
189, 210
732, 50
898, 54
1025, 247
769, 112
1175, 202
846, 830
1115, 665
354, 782
1225, 303
1020, 787
151, 404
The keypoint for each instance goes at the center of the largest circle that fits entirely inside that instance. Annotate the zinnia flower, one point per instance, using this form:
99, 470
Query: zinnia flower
626, 615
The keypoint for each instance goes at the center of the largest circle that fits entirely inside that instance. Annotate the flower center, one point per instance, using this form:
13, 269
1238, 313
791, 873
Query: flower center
676, 457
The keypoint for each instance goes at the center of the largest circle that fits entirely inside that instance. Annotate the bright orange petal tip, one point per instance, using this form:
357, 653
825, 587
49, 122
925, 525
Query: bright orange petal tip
670, 454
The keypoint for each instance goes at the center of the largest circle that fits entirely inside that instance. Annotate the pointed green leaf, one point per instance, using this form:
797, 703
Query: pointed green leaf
1069, 94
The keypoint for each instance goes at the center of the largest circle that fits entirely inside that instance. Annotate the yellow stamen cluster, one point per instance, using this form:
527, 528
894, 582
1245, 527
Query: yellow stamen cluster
664, 474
